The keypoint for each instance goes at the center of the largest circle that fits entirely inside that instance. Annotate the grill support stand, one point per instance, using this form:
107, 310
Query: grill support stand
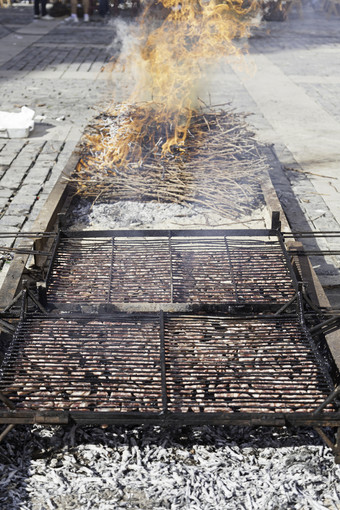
10, 406
335, 447
6, 431
320, 419
29, 294
6, 401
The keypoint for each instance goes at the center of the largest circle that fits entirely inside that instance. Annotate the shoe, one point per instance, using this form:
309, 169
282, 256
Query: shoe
47, 17
86, 18
72, 19
36, 16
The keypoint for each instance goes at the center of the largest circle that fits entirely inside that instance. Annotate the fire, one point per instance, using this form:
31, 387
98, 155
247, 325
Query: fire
171, 59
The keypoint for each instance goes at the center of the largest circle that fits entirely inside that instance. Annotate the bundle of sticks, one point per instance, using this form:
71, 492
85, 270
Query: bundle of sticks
217, 167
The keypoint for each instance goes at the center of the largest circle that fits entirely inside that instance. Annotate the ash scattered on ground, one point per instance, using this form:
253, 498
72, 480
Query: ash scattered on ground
150, 468
154, 215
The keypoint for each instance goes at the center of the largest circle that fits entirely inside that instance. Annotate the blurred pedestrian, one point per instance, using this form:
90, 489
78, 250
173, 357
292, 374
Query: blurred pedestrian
74, 16
43, 14
103, 7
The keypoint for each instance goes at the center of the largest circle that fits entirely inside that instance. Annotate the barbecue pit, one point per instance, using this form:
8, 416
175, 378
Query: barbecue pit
160, 327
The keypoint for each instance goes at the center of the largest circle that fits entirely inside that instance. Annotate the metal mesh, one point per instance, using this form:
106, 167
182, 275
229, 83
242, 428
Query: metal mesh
207, 270
193, 364
245, 365
85, 364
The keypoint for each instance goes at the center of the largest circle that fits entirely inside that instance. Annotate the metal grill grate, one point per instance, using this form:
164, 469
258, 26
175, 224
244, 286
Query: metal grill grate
201, 269
156, 364
91, 364
243, 365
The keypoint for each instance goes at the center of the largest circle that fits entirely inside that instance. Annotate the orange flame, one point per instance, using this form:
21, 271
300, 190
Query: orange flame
171, 59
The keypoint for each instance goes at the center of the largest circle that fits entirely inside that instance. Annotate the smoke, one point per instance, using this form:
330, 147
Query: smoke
166, 56
161, 71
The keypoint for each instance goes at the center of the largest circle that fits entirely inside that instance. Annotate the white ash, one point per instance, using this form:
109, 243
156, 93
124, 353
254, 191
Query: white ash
155, 215
149, 468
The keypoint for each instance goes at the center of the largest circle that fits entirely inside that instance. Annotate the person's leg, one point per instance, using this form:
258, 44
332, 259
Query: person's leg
73, 17
103, 7
74, 7
86, 6
43, 7
36, 8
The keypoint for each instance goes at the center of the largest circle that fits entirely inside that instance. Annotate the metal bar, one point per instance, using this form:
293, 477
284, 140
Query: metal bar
319, 233
9, 328
24, 304
150, 315
287, 260
36, 301
171, 272
53, 257
323, 325
331, 419
166, 233
27, 234
315, 253
229, 307
178, 419
162, 360
319, 358
111, 268
276, 223
328, 400
6, 401
23, 251
231, 269
17, 297
325, 438
309, 302
285, 306
6, 431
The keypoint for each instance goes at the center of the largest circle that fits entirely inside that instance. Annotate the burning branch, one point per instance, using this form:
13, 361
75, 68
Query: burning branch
166, 147
217, 167
168, 60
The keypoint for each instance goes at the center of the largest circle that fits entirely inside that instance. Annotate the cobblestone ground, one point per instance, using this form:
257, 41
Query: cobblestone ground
307, 53
58, 72
290, 87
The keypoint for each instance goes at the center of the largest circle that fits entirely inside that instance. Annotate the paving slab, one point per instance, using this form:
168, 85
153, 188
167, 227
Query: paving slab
55, 69
290, 86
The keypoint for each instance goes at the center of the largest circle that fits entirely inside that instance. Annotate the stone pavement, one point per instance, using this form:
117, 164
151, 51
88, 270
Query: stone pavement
290, 86
292, 93
57, 70
297, 89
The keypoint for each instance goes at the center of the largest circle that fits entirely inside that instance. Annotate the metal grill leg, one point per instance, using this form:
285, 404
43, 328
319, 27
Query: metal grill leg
337, 447
6, 431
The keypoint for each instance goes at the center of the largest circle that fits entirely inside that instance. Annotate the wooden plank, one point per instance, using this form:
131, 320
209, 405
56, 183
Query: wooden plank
273, 202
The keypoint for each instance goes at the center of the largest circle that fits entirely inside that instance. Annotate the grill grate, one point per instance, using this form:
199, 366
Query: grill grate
76, 363
174, 363
201, 269
243, 365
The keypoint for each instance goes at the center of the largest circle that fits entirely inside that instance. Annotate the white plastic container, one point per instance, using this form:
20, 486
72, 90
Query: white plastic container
15, 132
16, 125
